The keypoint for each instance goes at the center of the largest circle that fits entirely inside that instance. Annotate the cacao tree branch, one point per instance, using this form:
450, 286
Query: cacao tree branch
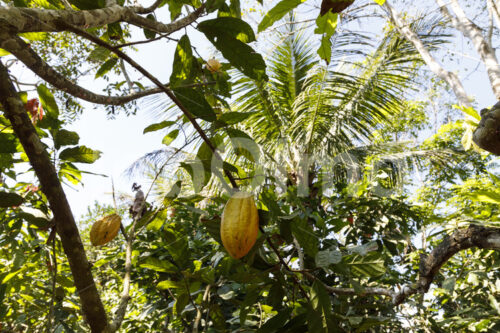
33, 61
450, 78
430, 264
43, 20
470, 30
66, 227
146, 10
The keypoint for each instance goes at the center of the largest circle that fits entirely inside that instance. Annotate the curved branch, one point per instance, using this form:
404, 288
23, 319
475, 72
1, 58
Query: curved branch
18, 20
474, 236
66, 227
33, 61
449, 77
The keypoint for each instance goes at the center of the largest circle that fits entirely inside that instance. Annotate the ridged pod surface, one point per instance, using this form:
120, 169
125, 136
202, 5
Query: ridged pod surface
104, 230
240, 224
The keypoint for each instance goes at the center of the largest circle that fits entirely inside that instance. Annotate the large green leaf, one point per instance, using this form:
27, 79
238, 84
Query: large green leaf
485, 196
326, 26
8, 199
182, 69
7, 143
48, 101
277, 12
158, 126
305, 236
227, 39
106, 67
80, 154
276, 322
66, 138
170, 137
371, 265
195, 103
230, 26
159, 265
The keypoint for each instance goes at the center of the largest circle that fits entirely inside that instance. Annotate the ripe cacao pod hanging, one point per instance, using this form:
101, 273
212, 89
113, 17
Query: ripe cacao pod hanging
104, 230
240, 224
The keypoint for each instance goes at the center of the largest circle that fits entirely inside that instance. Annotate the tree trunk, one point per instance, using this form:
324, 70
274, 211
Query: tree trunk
66, 227
474, 33
450, 78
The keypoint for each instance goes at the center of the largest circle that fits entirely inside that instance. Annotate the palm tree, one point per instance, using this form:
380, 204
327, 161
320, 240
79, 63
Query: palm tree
312, 110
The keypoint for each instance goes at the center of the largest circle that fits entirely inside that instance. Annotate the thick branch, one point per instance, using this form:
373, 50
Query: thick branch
474, 236
38, 20
13, 108
474, 33
450, 78
32, 60
493, 9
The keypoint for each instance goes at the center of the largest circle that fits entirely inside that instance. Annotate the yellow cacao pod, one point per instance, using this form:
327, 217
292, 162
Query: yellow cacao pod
213, 65
104, 230
239, 225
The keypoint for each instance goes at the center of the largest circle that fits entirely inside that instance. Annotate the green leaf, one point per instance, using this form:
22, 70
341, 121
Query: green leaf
173, 193
468, 111
182, 69
7, 143
34, 36
70, 172
277, 12
229, 26
328, 257
195, 103
371, 265
48, 101
326, 24
305, 236
158, 265
66, 138
241, 56
99, 54
115, 31
148, 33
106, 67
199, 174
213, 227
4, 52
8, 199
167, 284
80, 154
170, 137
158, 126
276, 322
231, 118
40, 222
485, 196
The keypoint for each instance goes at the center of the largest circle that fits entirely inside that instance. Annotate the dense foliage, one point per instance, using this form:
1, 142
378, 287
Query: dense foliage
358, 179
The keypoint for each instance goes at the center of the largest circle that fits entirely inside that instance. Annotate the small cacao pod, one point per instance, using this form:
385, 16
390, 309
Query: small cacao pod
239, 225
213, 65
104, 230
